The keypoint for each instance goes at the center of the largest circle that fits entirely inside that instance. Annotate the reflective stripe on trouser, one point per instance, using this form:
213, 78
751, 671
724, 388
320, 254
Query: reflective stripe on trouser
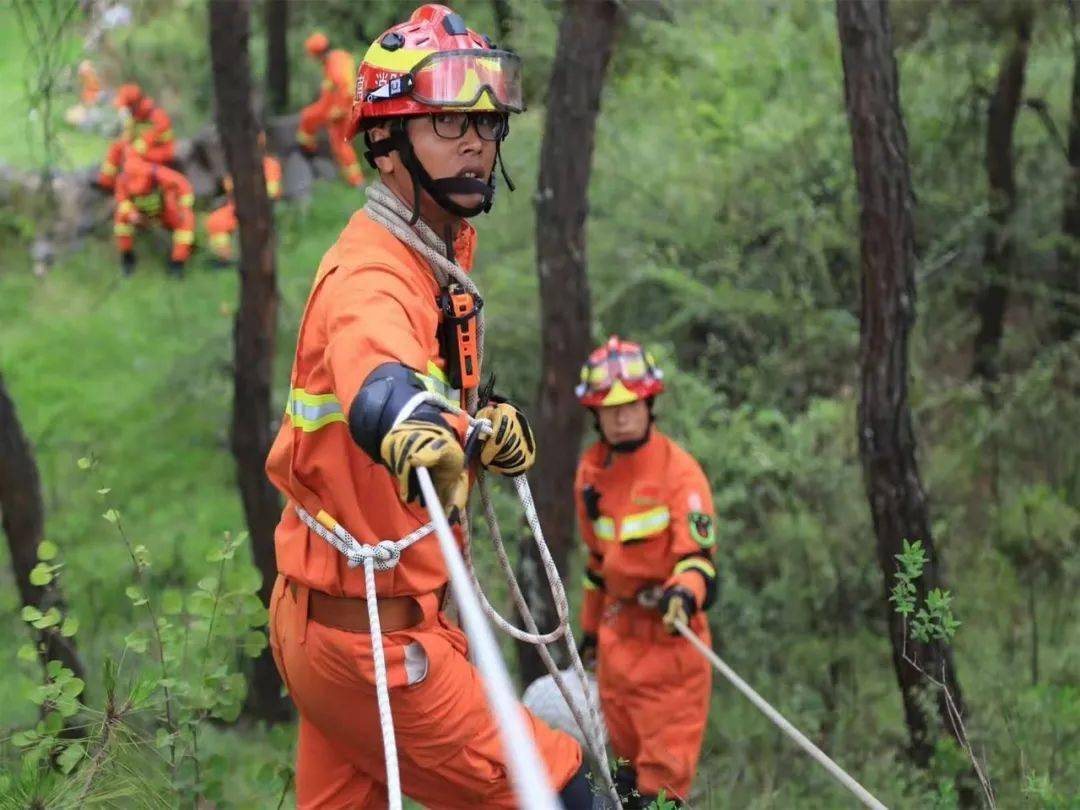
181, 221
448, 743
654, 691
221, 245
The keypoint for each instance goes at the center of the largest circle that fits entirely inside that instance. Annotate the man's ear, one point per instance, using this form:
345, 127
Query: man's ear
380, 132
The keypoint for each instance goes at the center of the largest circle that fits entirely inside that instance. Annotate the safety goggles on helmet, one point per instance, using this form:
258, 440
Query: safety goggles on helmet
616, 366
490, 126
616, 373
471, 78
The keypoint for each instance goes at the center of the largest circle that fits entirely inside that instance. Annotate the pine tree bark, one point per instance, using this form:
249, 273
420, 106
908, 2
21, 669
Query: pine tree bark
22, 516
277, 54
586, 38
998, 250
256, 316
1067, 315
886, 437
504, 21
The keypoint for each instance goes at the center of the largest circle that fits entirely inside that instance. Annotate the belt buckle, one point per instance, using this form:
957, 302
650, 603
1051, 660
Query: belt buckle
650, 597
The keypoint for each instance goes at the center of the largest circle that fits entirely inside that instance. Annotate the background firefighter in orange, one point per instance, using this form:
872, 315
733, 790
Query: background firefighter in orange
375, 340
646, 515
332, 109
147, 192
147, 131
90, 93
221, 223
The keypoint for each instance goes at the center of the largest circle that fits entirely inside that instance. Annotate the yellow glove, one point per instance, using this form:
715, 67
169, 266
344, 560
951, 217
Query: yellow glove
511, 447
415, 443
677, 604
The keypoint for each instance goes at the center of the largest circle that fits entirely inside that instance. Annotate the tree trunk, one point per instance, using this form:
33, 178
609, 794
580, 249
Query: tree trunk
1000, 171
586, 38
256, 316
1067, 320
504, 20
22, 516
277, 54
886, 437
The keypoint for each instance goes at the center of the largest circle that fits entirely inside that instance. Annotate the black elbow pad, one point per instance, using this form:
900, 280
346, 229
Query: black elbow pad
385, 392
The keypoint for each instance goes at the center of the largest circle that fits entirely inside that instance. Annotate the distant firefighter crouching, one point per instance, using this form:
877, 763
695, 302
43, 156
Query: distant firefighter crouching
144, 192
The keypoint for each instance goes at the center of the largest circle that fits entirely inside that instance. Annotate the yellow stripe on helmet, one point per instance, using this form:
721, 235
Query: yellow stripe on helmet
401, 60
619, 395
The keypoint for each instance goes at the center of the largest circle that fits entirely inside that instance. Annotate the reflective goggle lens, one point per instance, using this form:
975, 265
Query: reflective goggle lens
469, 78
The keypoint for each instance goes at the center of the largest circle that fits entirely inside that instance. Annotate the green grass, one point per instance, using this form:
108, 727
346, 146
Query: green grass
20, 133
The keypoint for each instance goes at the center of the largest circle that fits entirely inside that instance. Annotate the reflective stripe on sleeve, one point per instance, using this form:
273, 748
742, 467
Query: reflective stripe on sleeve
438, 383
310, 412
696, 564
604, 528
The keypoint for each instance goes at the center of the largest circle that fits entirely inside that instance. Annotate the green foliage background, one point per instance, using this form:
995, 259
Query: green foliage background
722, 232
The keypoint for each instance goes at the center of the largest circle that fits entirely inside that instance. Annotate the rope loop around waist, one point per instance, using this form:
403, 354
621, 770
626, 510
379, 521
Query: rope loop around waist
385, 555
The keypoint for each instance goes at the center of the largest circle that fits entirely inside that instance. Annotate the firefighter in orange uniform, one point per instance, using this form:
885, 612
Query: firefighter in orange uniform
147, 131
374, 341
146, 192
646, 514
332, 108
91, 85
221, 223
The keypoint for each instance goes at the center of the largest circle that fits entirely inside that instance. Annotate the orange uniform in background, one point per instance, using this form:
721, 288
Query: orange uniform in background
374, 302
148, 132
332, 108
91, 85
145, 192
647, 519
221, 223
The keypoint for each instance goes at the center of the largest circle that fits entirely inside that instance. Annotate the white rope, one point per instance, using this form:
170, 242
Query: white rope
382, 556
527, 769
780, 721
385, 208
382, 690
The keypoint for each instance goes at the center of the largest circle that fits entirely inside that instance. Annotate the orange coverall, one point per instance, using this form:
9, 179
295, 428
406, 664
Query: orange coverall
91, 85
148, 132
221, 222
145, 191
647, 520
374, 302
331, 110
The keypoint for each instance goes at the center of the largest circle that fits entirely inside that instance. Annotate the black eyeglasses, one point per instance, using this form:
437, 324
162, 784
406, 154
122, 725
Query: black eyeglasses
490, 126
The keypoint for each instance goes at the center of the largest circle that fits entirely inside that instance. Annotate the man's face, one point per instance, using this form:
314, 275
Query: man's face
624, 423
467, 155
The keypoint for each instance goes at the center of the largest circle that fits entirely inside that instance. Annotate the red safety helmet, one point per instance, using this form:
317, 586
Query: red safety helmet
128, 95
434, 63
317, 44
617, 373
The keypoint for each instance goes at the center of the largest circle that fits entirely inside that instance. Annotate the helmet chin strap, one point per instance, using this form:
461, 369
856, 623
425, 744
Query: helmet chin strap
438, 189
